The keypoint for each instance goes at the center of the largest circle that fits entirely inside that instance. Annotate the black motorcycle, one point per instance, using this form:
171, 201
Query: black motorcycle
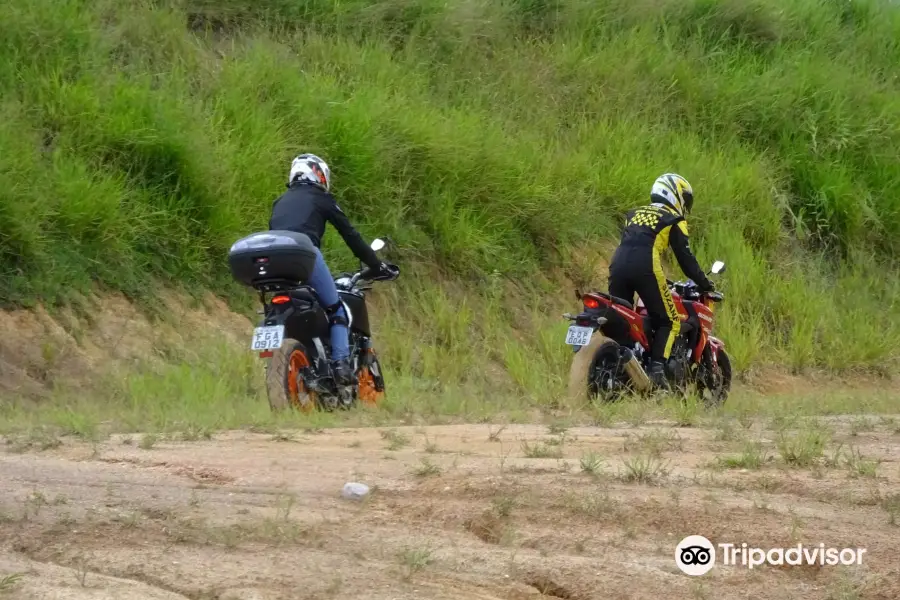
294, 333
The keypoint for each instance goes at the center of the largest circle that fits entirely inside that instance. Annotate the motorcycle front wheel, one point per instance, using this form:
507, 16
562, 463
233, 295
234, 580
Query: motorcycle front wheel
370, 380
714, 382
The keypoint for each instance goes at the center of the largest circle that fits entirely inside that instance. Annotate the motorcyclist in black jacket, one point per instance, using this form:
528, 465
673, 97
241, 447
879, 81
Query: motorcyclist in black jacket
637, 266
305, 208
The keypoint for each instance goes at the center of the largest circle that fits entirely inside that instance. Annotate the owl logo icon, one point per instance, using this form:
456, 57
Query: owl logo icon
695, 555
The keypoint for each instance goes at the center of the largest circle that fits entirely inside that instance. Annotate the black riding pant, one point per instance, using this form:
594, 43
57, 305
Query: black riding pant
635, 269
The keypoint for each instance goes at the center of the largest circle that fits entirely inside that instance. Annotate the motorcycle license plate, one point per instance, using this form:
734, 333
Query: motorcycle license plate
267, 338
579, 336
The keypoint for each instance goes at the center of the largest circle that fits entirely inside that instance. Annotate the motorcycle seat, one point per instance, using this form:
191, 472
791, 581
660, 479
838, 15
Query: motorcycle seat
304, 292
617, 300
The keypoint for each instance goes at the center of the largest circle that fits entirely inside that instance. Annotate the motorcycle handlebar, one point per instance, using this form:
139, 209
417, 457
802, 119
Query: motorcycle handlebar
366, 274
356, 277
690, 286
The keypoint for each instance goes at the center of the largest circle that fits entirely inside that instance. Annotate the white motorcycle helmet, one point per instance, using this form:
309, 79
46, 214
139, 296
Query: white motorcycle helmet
311, 168
675, 191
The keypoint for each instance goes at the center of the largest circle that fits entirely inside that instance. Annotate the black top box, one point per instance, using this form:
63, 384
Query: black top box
270, 256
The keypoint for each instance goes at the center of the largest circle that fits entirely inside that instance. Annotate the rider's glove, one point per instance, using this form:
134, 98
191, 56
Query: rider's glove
386, 271
394, 270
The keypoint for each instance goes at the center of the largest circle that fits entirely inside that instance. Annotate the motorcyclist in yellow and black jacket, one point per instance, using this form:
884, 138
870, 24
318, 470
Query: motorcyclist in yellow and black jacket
637, 266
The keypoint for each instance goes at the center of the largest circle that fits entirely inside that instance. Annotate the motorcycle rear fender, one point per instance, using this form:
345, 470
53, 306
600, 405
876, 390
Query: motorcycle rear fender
280, 316
590, 318
635, 325
302, 320
276, 316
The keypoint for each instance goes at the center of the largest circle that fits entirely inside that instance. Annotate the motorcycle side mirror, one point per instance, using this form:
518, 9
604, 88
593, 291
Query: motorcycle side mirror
377, 244
718, 267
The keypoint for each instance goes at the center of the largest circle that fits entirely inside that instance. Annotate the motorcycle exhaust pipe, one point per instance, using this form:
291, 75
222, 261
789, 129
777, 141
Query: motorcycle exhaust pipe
635, 371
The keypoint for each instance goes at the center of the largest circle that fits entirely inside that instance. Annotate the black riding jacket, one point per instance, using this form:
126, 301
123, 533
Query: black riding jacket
654, 227
305, 208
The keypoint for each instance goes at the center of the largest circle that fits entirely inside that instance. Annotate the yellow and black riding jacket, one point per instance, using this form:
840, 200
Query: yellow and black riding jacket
655, 227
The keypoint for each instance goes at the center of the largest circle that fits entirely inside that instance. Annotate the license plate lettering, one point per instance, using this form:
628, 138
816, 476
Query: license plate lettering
579, 336
267, 338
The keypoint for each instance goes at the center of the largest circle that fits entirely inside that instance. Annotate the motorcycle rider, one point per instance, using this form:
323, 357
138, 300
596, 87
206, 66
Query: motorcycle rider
304, 208
637, 267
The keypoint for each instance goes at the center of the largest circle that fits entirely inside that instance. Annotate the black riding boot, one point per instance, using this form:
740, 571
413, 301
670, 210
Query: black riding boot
343, 373
658, 376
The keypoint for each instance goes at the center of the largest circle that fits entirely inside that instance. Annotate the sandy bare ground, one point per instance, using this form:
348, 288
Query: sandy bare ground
455, 512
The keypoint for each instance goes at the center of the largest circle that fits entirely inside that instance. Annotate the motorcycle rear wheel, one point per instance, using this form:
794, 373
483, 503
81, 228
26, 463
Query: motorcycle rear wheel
284, 386
595, 372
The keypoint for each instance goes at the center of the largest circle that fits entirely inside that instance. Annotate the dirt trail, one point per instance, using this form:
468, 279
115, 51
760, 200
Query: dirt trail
456, 512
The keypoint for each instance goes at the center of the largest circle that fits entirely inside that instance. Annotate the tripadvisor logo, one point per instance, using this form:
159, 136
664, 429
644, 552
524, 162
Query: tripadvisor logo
695, 555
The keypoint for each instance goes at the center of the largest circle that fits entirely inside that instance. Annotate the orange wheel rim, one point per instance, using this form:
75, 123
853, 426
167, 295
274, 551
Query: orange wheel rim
296, 387
367, 392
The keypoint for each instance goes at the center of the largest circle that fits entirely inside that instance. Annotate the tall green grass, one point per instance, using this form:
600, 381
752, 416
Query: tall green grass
139, 140
216, 385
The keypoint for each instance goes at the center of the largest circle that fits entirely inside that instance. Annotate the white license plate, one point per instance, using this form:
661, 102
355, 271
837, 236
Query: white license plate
267, 338
579, 336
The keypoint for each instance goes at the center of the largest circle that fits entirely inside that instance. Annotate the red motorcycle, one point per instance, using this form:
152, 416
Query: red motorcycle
615, 363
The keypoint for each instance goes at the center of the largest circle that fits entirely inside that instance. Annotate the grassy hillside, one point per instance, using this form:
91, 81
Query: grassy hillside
498, 143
